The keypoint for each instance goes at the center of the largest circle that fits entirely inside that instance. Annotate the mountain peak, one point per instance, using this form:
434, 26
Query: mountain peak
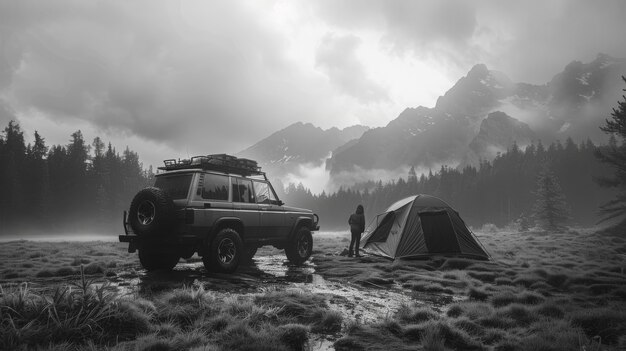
478, 71
475, 94
498, 132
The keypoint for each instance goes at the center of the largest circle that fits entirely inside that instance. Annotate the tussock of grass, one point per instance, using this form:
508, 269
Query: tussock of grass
487, 277
471, 310
432, 339
598, 289
469, 327
557, 280
497, 321
454, 338
302, 308
413, 314
521, 314
44, 273
457, 263
294, 336
550, 310
492, 336
374, 337
83, 313
478, 294
608, 323
527, 280
79, 261
182, 319
94, 268
503, 281
507, 298
553, 335
326, 321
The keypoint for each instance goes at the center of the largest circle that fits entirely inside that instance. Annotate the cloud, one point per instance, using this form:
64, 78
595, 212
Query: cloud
200, 75
529, 40
217, 76
426, 28
336, 56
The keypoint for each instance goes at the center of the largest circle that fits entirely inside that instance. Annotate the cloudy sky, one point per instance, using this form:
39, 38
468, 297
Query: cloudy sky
177, 78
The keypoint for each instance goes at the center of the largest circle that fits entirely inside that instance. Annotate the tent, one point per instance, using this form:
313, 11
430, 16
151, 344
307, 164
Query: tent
421, 226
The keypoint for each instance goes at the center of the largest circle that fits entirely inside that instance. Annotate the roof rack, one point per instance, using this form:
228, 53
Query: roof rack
216, 162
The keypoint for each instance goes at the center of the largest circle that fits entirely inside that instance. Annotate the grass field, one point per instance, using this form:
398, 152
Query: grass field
557, 291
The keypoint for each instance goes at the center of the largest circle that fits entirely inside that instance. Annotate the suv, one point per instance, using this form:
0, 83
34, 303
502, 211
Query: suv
222, 207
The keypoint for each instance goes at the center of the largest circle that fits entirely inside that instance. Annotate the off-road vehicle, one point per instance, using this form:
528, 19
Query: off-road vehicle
219, 206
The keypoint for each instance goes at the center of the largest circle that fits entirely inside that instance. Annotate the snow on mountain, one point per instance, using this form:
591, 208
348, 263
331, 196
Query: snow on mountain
573, 104
300, 143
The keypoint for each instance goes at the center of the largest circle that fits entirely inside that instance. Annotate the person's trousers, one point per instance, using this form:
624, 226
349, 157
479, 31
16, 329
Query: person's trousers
356, 239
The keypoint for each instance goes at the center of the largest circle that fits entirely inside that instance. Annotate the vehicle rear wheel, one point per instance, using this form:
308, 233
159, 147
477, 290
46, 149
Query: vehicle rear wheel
300, 248
153, 261
248, 254
151, 212
225, 252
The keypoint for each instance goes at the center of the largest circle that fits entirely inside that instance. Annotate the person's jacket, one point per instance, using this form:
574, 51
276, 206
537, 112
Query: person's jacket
357, 222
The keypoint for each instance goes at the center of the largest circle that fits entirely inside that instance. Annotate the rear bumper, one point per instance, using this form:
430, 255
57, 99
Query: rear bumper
164, 243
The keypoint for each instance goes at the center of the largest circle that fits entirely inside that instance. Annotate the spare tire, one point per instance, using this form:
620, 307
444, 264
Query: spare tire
152, 212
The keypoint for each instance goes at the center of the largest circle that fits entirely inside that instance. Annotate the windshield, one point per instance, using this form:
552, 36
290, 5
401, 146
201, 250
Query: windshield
176, 186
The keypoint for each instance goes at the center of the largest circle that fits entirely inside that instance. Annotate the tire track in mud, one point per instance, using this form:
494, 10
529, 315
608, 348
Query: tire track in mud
362, 302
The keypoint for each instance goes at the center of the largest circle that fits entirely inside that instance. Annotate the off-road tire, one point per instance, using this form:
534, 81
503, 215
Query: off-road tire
248, 254
153, 261
225, 252
299, 249
152, 212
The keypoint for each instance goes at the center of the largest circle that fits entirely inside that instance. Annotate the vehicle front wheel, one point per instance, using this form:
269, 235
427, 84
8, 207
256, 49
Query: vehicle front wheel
300, 248
153, 261
225, 252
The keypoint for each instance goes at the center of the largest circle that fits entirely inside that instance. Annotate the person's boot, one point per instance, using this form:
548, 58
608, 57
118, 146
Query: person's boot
350, 254
357, 254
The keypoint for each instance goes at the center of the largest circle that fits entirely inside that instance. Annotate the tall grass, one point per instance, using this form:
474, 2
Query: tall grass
89, 315
73, 313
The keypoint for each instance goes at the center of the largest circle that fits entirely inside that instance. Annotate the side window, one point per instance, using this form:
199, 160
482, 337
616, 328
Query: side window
215, 187
242, 190
262, 193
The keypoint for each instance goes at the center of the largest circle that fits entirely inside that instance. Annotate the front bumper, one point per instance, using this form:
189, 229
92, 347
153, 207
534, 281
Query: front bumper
316, 220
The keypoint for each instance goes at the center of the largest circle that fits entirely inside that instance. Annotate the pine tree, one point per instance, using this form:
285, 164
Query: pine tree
36, 175
615, 156
412, 175
12, 162
550, 210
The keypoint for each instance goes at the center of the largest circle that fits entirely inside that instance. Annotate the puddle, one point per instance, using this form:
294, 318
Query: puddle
270, 269
264, 271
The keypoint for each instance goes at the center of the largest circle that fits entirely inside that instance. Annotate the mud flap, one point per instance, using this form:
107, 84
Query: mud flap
132, 247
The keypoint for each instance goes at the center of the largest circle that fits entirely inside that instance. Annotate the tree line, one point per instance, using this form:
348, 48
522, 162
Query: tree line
503, 191
78, 187
549, 187
81, 187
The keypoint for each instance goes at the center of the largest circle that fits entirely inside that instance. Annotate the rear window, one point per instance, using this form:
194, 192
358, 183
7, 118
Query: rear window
176, 186
215, 187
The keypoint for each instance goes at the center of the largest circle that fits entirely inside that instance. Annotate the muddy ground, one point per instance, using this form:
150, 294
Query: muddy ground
569, 273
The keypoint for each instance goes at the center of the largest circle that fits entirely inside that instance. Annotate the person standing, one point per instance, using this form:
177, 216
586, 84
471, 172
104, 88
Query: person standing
357, 226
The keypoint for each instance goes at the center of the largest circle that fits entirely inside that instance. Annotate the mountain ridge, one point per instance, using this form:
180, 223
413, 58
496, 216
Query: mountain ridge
568, 105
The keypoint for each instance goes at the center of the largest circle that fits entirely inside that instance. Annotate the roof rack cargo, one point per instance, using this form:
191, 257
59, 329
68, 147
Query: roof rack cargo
216, 162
